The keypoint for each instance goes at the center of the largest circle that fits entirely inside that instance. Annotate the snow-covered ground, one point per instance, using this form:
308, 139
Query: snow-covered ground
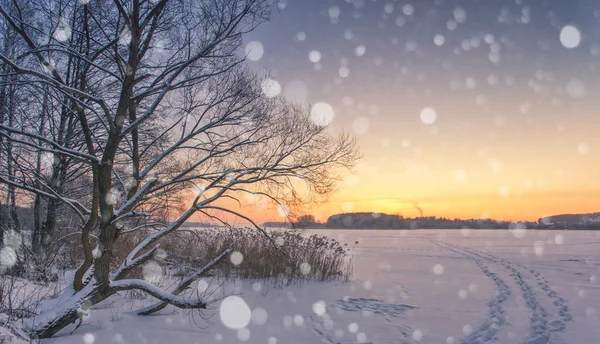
411, 287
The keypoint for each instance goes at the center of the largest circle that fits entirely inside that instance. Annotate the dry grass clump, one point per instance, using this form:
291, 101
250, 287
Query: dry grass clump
21, 299
285, 256
282, 257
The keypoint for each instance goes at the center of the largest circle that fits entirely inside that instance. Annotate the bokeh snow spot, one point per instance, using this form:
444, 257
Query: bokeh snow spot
236, 258
254, 50
559, 239
113, 196
518, 230
334, 12
202, 286
583, 148
243, 334
319, 308
322, 114
118, 339
288, 321
388, 8
125, 37
360, 50
63, 31
450, 340
467, 330
301, 36
152, 272
438, 269
460, 15
460, 175
361, 125
570, 37
160, 254
13, 239
279, 241
235, 313
463, 294
538, 247
351, 180
305, 268
348, 35
327, 322
439, 40
298, 320
348, 101
417, 335
314, 56
400, 21
271, 88
386, 142
48, 160
89, 338
259, 316
256, 286
495, 165
590, 312
361, 337
353, 328
451, 25
344, 72
296, 91
428, 115
272, 340
198, 189
504, 191
473, 288
465, 232
575, 88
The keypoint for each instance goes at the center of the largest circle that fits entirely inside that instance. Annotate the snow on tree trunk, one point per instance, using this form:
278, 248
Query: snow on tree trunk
66, 312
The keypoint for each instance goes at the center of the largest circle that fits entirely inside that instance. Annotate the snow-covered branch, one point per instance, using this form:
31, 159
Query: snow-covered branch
185, 284
151, 289
129, 264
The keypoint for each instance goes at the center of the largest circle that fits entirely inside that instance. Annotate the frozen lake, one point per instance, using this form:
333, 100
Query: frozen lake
515, 286
423, 286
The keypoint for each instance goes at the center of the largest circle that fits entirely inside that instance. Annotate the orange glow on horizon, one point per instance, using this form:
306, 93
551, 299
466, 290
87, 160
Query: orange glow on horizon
520, 207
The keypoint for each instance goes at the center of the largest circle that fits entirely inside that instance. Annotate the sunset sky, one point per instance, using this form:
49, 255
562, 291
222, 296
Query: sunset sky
463, 108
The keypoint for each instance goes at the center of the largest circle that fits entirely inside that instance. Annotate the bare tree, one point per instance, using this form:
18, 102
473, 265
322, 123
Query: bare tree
151, 102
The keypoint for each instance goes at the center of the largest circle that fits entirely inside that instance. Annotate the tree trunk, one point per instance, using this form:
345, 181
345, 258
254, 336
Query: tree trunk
13, 219
67, 312
37, 204
2, 223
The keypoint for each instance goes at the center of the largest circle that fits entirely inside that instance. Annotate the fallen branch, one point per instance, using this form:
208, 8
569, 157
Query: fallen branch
151, 289
183, 285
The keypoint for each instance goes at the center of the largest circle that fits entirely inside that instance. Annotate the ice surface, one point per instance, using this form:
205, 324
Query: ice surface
420, 286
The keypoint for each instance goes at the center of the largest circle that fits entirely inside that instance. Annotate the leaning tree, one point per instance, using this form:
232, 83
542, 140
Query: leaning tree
156, 102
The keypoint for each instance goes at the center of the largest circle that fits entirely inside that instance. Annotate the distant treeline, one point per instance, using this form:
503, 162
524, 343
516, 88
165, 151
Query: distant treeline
369, 220
201, 224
